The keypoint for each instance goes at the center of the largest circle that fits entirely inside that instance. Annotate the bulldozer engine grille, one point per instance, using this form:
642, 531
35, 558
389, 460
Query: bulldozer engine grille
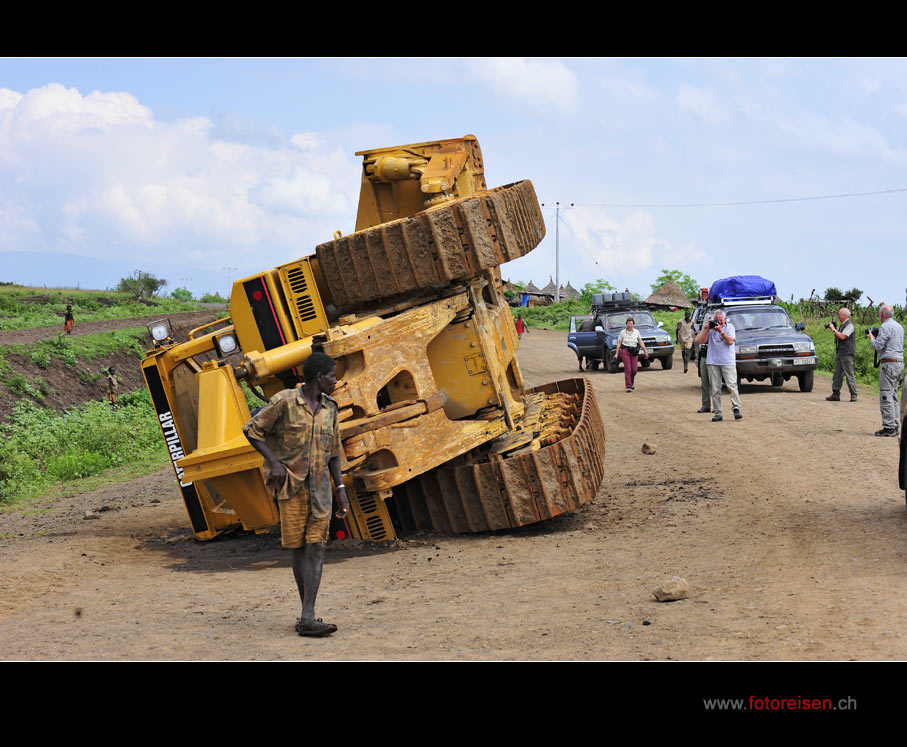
558, 472
301, 298
371, 517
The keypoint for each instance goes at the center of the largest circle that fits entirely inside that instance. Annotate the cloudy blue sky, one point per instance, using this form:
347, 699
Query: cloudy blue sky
199, 169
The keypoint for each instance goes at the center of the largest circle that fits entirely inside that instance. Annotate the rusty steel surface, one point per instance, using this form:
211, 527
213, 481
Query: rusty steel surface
455, 240
526, 487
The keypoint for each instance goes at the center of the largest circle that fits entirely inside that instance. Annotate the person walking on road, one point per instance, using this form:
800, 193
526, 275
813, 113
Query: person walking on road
685, 338
629, 341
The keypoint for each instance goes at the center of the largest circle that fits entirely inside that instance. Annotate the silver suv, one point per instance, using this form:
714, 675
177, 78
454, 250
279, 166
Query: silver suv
769, 345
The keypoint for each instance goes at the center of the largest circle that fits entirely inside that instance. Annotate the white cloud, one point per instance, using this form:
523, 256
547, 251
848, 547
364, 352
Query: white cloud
96, 173
617, 245
542, 86
9, 99
305, 140
702, 103
844, 136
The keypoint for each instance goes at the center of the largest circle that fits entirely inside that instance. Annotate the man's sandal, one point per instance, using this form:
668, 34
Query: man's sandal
315, 628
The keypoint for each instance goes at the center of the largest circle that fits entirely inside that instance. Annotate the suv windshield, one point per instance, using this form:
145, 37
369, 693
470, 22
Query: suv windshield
760, 319
640, 319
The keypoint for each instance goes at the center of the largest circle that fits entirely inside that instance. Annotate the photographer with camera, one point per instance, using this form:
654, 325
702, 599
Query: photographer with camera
845, 349
888, 342
705, 385
721, 361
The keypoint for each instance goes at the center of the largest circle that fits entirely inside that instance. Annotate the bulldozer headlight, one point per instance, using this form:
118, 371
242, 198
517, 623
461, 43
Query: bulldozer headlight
160, 331
225, 344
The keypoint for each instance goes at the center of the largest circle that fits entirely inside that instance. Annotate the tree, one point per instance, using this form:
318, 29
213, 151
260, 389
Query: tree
688, 285
599, 286
141, 285
854, 294
181, 294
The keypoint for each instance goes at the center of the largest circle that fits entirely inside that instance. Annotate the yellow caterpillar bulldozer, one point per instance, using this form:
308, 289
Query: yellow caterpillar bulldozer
438, 431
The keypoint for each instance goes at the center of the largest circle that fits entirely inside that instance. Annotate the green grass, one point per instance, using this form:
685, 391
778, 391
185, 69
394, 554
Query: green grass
39, 447
26, 308
557, 316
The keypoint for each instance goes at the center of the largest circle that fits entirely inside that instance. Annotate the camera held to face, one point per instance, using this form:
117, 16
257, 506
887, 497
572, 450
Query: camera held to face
831, 325
714, 323
874, 330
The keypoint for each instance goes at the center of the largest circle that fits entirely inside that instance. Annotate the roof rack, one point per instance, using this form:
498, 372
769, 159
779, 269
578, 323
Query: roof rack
612, 300
744, 300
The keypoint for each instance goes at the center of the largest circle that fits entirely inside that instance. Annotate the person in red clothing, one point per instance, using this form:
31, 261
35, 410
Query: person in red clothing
521, 327
68, 321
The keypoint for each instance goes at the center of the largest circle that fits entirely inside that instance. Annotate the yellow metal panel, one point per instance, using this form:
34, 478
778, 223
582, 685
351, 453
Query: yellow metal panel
303, 299
403, 180
458, 365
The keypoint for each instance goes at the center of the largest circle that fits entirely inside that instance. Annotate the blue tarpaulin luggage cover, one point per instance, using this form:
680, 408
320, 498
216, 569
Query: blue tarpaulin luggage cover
741, 285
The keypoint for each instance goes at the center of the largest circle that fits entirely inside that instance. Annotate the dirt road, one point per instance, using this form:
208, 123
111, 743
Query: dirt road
788, 526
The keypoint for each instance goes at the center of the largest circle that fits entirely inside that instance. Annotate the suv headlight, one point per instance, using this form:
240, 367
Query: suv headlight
747, 349
804, 347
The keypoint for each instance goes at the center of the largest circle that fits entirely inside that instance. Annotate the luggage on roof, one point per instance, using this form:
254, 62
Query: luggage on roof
741, 286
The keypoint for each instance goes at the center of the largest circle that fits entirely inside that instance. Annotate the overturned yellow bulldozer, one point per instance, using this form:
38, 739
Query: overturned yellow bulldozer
438, 431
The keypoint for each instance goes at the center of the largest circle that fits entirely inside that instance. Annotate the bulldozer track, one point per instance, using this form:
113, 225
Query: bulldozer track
526, 487
454, 240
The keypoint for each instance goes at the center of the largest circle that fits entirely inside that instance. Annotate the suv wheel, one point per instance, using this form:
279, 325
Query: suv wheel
806, 380
613, 365
778, 380
667, 362
595, 365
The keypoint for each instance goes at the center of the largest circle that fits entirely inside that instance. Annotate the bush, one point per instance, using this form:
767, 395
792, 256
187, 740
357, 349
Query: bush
141, 285
38, 446
213, 298
182, 294
41, 357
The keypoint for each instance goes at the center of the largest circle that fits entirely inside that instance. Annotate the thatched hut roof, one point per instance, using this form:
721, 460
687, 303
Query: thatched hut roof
669, 295
531, 288
569, 291
551, 288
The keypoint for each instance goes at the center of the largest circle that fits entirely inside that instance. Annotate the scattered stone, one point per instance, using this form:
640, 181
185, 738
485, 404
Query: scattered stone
90, 515
590, 527
648, 448
671, 590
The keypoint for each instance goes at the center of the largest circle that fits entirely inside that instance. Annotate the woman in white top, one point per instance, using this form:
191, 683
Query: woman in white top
628, 344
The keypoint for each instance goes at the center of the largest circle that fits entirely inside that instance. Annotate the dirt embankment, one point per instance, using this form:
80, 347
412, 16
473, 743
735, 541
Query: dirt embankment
788, 526
67, 386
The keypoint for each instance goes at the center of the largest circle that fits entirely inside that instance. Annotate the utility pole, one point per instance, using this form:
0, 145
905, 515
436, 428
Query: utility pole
557, 250
229, 286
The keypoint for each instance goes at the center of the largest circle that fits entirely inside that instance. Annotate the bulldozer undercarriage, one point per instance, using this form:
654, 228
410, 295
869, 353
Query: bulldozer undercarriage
437, 429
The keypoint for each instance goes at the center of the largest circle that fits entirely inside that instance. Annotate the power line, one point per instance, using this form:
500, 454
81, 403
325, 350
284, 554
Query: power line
583, 246
742, 202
